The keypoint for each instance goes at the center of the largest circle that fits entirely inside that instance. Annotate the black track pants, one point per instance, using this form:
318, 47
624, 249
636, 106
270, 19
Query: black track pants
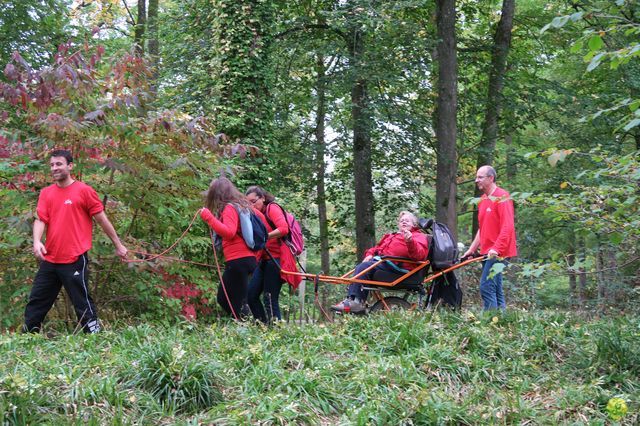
46, 286
236, 279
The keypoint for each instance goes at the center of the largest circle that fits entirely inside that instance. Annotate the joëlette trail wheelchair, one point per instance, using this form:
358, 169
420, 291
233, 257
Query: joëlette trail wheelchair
421, 287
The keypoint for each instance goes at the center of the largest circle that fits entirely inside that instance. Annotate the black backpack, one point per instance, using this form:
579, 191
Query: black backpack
443, 248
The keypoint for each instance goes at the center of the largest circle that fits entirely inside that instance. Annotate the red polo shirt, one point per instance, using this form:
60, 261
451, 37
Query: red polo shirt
496, 223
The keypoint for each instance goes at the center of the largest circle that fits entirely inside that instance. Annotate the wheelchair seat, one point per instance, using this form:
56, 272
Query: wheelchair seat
413, 282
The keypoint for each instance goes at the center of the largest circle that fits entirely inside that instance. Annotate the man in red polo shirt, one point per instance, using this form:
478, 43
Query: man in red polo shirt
496, 235
65, 211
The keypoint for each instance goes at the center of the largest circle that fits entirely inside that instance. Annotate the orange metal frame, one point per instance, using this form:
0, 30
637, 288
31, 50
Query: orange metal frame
346, 279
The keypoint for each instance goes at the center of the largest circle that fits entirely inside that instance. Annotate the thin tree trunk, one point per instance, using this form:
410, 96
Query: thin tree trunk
446, 110
362, 122
153, 44
582, 276
600, 265
138, 34
512, 165
321, 200
499, 54
571, 260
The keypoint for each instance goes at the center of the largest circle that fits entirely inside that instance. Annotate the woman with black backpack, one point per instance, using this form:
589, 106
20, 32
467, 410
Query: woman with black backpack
221, 213
266, 280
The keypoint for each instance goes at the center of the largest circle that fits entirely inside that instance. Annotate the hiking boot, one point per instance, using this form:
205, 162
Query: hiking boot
344, 306
348, 305
356, 306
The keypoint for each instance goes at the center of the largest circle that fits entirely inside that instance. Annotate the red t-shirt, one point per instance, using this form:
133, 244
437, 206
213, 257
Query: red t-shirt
228, 227
67, 212
496, 223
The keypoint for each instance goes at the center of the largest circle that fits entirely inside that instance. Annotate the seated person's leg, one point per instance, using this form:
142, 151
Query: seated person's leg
356, 295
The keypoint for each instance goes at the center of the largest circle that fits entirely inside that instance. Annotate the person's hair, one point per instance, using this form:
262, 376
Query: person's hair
414, 218
221, 192
490, 171
62, 153
260, 192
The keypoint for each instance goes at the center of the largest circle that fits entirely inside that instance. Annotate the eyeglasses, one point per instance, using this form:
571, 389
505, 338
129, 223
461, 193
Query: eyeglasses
481, 177
254, 200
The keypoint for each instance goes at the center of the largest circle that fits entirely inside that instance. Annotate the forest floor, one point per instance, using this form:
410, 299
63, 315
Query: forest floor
441, 367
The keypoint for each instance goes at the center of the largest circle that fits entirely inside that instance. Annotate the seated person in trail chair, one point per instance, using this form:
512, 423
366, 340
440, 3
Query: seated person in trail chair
409, 242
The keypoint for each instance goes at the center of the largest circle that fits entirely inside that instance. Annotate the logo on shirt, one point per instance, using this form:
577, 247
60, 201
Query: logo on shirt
76, 273
68, 201
488, 209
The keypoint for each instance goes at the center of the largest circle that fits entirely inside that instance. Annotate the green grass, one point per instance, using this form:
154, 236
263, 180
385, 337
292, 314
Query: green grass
405, 368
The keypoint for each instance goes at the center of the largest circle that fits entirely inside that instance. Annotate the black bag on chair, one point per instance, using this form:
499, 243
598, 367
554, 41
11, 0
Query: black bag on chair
445, 290
443, 249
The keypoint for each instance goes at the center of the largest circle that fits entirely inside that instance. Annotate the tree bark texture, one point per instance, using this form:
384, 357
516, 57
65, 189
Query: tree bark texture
321, 198
499, 54
362, 122
138, 34
446, 110
153, 44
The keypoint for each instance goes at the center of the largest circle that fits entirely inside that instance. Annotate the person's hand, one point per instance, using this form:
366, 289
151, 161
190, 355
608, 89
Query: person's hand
367, 258
121, 251
492, 253
205, 214
39, 250
406, 233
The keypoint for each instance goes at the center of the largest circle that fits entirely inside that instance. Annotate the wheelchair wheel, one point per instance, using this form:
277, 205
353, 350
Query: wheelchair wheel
394, 304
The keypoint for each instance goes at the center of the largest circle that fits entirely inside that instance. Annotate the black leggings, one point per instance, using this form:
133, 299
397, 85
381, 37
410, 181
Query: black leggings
235, 279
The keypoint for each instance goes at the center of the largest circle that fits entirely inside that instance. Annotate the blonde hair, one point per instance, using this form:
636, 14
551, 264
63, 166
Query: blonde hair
414, 218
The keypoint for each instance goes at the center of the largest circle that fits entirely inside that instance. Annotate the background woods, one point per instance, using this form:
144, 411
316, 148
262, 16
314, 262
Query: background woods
348, 111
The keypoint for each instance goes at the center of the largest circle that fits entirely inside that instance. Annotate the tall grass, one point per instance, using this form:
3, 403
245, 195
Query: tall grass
402, 368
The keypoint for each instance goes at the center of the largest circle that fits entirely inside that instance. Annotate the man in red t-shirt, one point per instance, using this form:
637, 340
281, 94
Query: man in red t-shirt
496, 235
65, 210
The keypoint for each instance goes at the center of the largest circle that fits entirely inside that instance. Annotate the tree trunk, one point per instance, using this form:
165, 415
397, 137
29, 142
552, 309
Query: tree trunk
138, 34
582, 276
499, 54
512, 165
600, 266
446, 109
571, 261
153, 45
321, 167
362, 122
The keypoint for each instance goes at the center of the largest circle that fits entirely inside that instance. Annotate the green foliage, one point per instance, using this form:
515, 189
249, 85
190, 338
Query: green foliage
541, 367
34, 28
173, 377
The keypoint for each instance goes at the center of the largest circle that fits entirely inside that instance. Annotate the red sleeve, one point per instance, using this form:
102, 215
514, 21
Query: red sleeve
42, 208
418, 246
276, 216
93, 202
505, 210
227, 226
373, 251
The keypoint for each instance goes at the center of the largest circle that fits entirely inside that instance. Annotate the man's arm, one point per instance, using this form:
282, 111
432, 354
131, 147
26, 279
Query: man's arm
38, 230
474, 245
108, 229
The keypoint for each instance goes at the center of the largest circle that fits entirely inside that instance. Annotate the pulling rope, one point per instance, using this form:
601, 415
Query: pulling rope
148, 257
224, 289
155, 256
